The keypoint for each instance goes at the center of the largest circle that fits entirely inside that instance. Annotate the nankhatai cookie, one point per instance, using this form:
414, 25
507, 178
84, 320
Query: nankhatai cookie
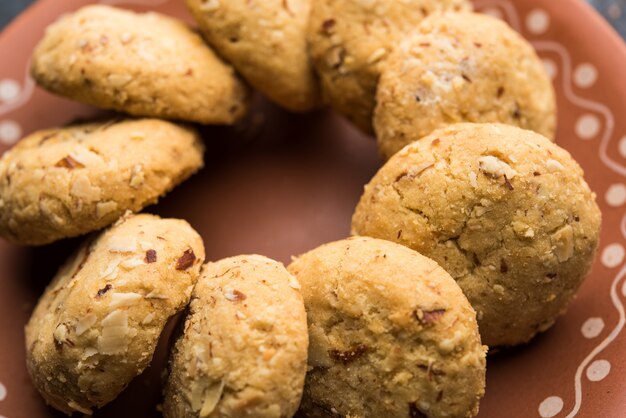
243, 349
390, 332
505, 211
65, 182
96, 326
351, 40
266, 42
461, 67
142, 64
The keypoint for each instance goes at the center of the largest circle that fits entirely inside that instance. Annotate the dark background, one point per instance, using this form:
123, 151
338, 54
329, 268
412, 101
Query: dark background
10, 8
613, 10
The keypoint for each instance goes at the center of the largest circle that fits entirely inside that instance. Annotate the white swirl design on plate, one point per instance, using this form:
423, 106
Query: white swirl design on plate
609, 120
617, 303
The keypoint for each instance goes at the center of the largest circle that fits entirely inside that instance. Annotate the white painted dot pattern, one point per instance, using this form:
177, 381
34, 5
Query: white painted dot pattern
550, 407
616, 194
592, 327
585, 75
598, 370
10, 132
612, 255
9, 90
551, 68
537, 21
587, 126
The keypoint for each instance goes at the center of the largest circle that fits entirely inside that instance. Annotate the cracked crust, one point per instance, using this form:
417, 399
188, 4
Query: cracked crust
391, 334
505, 211
244, 346
461, 67
65, 182
97, 324
143, 64
350, 40
266, 42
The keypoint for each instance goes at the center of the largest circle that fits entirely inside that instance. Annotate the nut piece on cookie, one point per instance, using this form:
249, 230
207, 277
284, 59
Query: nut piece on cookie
350, 41
65, 182
505, 211
266, 42
461, 67
97, 324
391, 334
243, 349
142, 64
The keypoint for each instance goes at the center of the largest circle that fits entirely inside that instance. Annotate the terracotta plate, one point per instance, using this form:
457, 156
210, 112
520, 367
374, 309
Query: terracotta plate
281, 184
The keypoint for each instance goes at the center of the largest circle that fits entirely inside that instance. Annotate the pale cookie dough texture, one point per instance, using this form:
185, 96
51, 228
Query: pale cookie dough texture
142, 64
97, 325
391, 334
461, 67
243, 349
505, 211
66, 182
350, 41
266, 42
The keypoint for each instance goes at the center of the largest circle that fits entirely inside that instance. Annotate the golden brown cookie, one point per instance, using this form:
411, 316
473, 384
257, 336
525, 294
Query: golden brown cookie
244, 346
350, 41
96, 326
66, 182
142, 64
266, 41
505, 211
461, 67
391, 334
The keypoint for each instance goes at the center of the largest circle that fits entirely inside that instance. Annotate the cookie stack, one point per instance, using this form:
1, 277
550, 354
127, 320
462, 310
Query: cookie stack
478, 229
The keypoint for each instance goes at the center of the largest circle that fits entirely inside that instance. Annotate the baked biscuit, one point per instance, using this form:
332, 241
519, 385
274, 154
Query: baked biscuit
142, 64
505, 211
266, 42
66, 182
461, 67
244, 347
350, 41
391, 334
96, 326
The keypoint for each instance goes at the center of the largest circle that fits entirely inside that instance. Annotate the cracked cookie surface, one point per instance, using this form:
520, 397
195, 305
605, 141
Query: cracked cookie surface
243, 349
266, 42
505, 211
69, 181
142, 64
461, 67
350, 41
390, 332
97, 324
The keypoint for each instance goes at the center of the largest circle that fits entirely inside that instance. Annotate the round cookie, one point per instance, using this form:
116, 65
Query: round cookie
461, 67
66, 182
391, 334
266, 42
244, 347
350, 40
142, 64
96, 326
505, 211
